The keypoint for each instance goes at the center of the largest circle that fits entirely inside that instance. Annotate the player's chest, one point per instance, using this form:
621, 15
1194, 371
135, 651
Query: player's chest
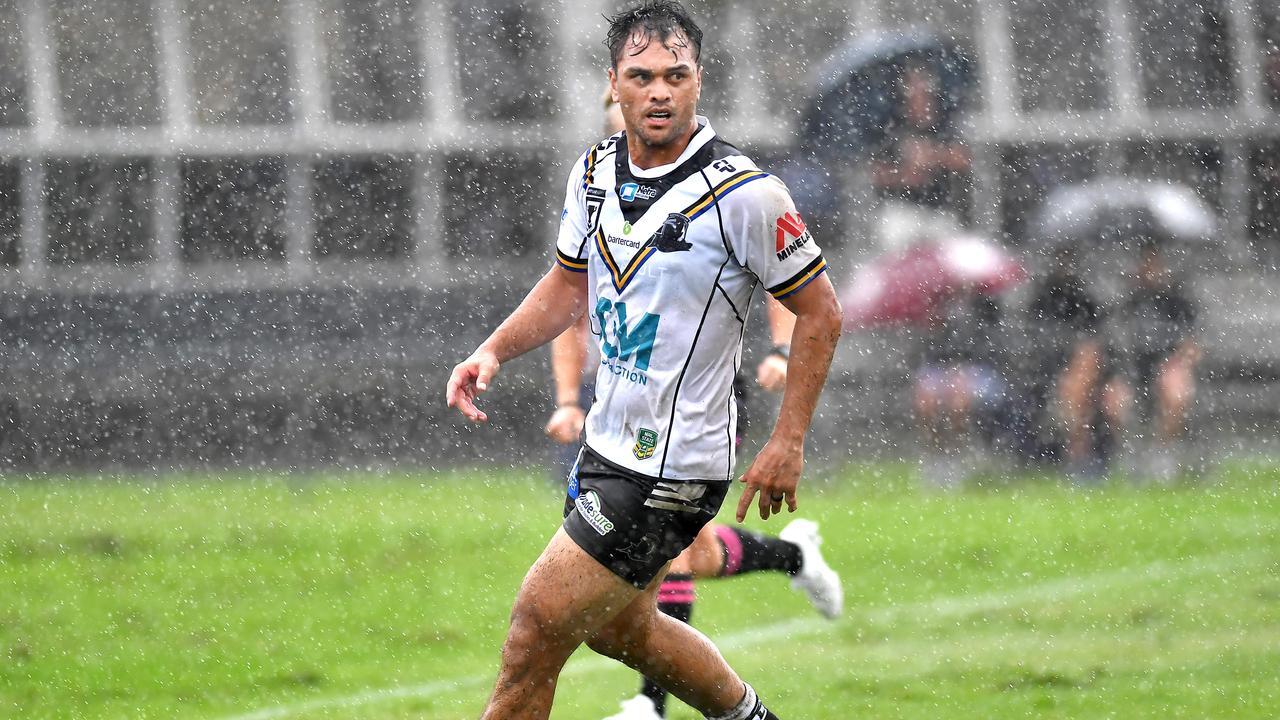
663, 239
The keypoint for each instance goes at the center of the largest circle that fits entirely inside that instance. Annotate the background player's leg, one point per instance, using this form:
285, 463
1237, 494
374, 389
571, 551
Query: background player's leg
746, 551
794, 551
564, 599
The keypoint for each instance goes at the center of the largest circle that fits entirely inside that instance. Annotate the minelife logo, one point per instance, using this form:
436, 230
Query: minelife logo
790, 225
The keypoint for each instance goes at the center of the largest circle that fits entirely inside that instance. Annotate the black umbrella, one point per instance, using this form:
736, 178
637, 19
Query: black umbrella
856, 89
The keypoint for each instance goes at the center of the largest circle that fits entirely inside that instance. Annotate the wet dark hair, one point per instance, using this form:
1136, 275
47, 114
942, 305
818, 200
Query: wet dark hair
656, 19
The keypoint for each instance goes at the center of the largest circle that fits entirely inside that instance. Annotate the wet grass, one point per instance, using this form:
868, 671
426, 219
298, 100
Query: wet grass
386, 596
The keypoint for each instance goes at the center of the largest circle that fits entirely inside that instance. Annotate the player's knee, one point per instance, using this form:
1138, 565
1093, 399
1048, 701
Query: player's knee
532, 633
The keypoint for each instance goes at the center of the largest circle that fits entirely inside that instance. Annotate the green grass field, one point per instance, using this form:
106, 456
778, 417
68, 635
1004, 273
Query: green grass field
357, 596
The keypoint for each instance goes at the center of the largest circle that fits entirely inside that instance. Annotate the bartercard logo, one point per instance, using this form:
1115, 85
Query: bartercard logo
790, 225
589, 507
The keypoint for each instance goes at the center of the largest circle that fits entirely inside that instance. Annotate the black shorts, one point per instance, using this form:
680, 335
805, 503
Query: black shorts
631, 523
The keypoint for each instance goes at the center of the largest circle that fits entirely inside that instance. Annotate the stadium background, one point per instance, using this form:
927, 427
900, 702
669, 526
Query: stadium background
239, 232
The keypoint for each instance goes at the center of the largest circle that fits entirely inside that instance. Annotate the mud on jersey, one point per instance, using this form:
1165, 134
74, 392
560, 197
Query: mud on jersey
672, 255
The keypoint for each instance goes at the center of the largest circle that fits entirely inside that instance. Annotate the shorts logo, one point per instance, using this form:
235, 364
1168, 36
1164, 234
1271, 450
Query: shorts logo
640, 549
573, 477
591, 510
646, 442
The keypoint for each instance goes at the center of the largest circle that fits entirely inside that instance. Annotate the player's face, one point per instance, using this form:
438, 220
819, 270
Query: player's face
657, 84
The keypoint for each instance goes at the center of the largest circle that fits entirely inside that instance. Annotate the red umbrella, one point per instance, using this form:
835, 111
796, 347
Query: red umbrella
908, 287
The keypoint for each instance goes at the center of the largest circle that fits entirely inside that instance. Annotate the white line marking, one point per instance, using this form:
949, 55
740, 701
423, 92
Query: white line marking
936, 608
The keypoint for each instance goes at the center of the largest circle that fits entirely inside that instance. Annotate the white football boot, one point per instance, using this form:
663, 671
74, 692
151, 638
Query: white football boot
816, 578
637, 708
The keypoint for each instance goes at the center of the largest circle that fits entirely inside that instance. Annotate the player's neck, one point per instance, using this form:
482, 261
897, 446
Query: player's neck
646, 156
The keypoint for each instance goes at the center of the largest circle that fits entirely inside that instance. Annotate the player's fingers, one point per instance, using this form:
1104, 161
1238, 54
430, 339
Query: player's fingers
453, 390
775, 504
744, 502
766, 502
484, 375
462, 397
792, 501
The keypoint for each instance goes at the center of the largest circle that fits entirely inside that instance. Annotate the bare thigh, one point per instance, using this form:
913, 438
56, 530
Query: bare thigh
703, 558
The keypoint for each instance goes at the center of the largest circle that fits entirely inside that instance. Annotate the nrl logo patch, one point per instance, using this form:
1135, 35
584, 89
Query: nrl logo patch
590, 509
646, 443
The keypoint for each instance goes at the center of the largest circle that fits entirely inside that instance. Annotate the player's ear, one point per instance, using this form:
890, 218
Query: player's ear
613, 84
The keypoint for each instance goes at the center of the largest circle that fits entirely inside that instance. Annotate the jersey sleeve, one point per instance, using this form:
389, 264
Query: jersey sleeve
769, 238
571, 246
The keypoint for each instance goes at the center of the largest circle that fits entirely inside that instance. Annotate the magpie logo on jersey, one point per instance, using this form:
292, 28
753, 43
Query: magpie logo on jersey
790, 225
671, 236
591, 510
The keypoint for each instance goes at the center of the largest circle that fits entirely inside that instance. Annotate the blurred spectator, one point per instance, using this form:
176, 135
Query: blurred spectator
1271, 71
914, 171
959, 388
1078, 398
1264, 210
1160, 321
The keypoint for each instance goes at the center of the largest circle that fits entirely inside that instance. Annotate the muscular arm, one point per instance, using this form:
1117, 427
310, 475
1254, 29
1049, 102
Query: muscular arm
776, 470
568, 358
550, 307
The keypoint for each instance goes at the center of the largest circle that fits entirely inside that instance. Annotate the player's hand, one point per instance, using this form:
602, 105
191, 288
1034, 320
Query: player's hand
775, 475
771, 374
565, 425
470, 378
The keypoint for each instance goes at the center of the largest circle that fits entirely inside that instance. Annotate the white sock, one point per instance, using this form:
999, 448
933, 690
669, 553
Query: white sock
748, 708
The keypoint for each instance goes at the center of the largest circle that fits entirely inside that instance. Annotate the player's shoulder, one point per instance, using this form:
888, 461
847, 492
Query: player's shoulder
605, 148
740, 181
591, 157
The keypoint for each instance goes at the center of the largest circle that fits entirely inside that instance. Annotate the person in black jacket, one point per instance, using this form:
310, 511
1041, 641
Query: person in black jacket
1160, 318
1076, 386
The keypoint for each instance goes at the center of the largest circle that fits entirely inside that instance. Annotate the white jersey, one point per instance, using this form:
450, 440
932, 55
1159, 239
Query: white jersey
672, 255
